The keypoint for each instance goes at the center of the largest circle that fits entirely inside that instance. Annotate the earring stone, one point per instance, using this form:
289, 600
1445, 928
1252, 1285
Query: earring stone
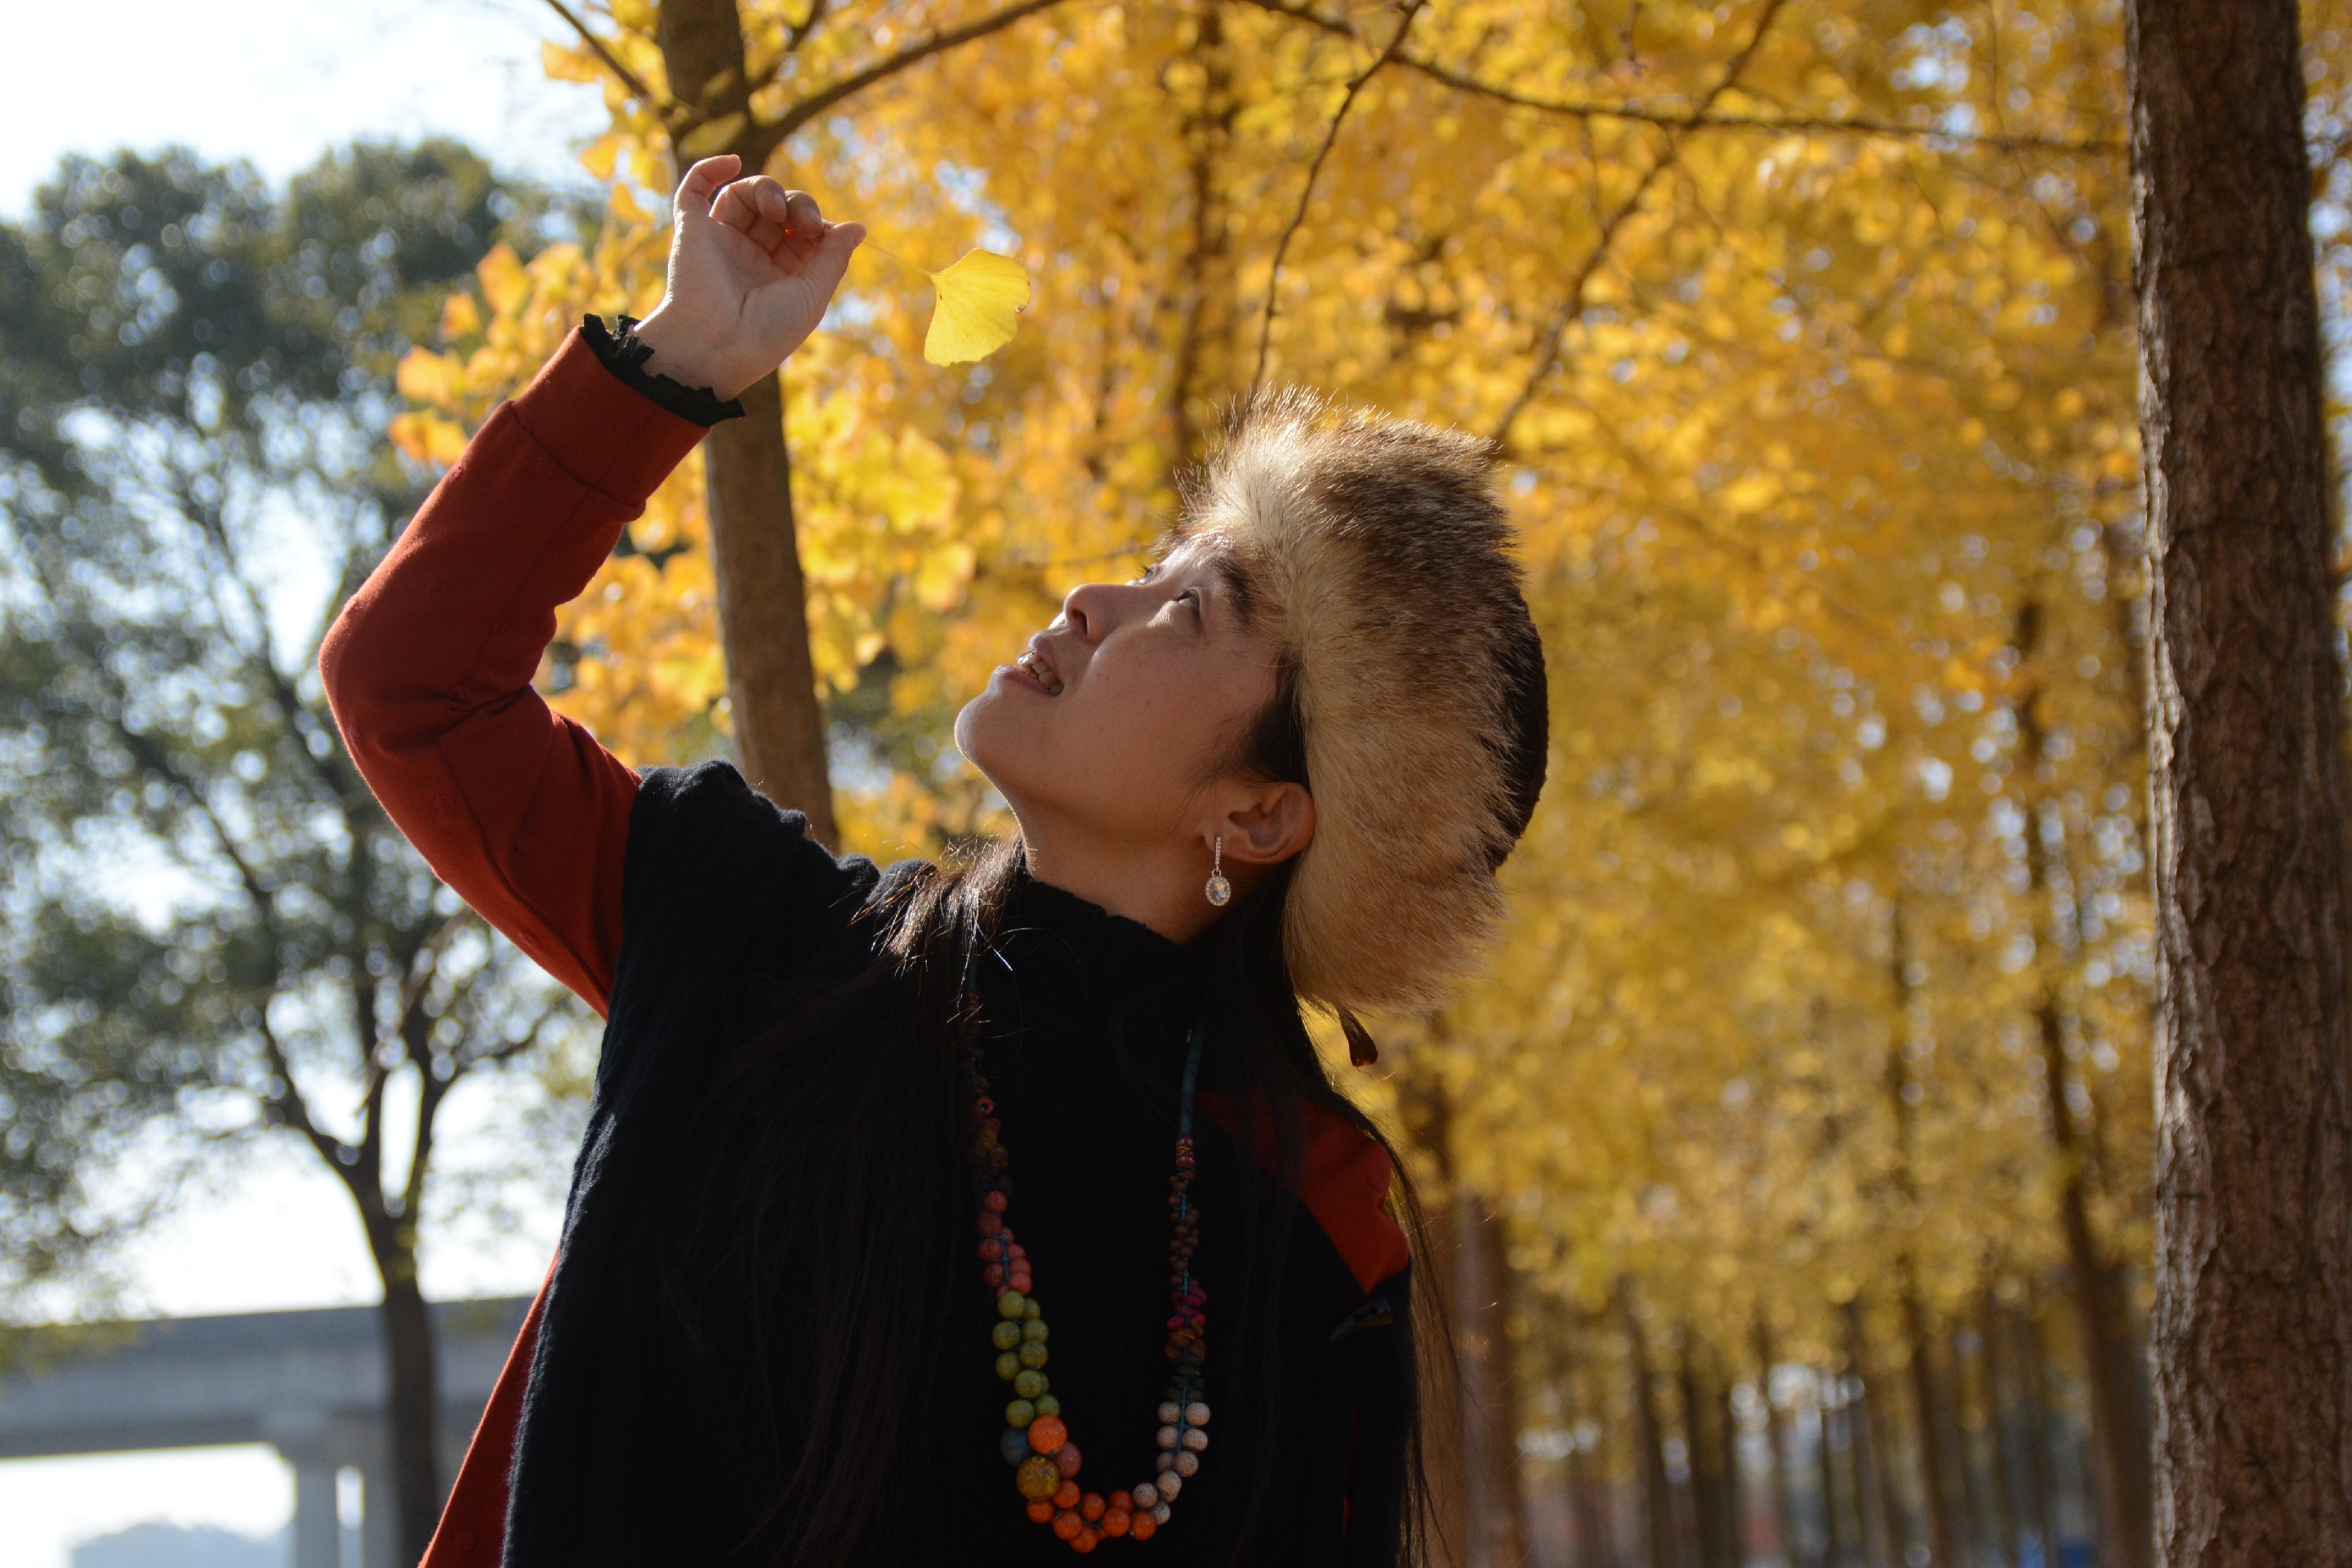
1220, 891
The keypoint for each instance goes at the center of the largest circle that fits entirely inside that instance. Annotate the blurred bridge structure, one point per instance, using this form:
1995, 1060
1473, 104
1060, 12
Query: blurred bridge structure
311, 1384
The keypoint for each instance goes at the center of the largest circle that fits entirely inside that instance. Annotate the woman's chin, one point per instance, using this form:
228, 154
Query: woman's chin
982, 732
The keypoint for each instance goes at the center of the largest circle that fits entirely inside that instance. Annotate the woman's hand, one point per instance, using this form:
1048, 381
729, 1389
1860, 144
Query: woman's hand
753, 267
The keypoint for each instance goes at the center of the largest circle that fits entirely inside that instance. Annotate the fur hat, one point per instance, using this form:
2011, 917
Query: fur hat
1376, 548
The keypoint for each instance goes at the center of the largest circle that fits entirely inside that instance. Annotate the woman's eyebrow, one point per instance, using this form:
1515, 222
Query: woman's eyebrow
1236, 587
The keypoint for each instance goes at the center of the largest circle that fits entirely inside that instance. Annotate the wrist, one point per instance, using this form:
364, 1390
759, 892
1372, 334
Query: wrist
689, 357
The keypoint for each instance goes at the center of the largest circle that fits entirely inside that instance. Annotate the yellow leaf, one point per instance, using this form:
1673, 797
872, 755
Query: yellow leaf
711, 136
424, 377
505, 284
428, 438
977, 298
460, 318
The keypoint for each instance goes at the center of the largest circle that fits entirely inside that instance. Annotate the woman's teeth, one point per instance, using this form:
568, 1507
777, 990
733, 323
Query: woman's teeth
1039, 673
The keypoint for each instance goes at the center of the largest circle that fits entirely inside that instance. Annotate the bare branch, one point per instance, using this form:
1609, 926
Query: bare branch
797, 33
1307, 192
764, 137
629, 79
1572, 307
1704, 117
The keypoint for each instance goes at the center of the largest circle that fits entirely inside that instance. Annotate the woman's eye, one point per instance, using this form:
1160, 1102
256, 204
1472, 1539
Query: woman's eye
1193, 595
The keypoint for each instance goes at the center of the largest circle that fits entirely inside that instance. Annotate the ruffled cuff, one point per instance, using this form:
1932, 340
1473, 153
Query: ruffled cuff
625, 356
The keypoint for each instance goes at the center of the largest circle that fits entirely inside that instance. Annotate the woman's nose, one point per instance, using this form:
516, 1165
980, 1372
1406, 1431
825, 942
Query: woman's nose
1091, 610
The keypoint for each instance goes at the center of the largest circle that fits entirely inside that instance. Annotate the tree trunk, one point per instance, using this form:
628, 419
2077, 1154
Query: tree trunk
754, 551
2041, 1457
2253, 1247
1968, 1518
1832, 1407
2112, 1360
1493, 1421
1882, 1522
1928, 1407
2002, 1458
1658, 1493
1776, 1440
412, 1375
1702, 1436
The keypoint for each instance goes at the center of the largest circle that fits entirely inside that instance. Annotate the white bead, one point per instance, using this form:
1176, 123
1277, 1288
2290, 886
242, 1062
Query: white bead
1196, 1439
1160, 1514
1168, 1436
1195, 1413
1167, 1462
1170, 1484
1145, 1495
1186, 1464
1170, 1414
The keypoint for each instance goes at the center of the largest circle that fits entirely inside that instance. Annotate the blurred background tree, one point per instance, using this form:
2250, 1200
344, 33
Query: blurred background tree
213, 934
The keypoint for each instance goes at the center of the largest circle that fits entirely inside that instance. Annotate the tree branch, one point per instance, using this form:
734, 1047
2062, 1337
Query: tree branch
1688, 120
764, 137
1307, 192
1572, 307
637, 88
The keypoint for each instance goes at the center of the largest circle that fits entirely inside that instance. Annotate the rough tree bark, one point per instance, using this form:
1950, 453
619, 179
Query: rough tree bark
2253, 1325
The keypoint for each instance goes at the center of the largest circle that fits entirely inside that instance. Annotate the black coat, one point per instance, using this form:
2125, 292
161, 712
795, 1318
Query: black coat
624, 1455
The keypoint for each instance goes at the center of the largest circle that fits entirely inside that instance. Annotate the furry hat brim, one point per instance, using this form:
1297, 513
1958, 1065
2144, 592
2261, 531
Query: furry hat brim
1377, 548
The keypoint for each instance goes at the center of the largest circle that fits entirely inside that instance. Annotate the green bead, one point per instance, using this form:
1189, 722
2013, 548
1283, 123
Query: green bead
1032, 1354
1028, 1384
1020, 1412
1034, 1329
1007, 1334
1029, 1307
1048, 1404
1013, 1304
1008, 1365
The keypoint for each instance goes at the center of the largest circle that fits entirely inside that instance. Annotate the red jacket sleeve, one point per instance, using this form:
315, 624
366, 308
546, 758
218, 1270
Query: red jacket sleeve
429, 668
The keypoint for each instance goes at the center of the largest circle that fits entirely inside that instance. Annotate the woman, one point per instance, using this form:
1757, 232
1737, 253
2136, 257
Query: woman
913, 1201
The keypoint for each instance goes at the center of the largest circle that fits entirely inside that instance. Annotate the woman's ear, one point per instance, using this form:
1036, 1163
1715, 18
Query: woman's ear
1273, 823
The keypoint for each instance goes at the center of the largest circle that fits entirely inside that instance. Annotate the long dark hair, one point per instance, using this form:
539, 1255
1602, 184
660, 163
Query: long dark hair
826, 1191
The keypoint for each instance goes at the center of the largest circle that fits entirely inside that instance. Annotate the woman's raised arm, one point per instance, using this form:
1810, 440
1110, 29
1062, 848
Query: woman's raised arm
429, 667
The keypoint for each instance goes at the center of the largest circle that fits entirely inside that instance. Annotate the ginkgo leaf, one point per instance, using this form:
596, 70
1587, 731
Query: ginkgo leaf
977, 298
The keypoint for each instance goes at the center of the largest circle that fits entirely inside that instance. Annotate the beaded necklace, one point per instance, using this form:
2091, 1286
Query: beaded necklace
1036, 1440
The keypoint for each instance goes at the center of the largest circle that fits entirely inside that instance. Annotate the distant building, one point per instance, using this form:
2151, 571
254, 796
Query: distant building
178, 1546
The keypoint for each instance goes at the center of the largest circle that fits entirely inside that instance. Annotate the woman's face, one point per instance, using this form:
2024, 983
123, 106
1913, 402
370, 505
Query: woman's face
1127, 706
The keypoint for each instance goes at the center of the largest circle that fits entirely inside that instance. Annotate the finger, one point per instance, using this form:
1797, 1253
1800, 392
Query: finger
802, 216
698, 191
830, 260
738, 204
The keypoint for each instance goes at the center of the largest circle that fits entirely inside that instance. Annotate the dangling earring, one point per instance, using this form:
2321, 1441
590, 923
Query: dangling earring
1220, 891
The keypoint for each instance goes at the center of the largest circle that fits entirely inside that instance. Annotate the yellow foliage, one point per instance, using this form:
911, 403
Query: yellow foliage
1822, 448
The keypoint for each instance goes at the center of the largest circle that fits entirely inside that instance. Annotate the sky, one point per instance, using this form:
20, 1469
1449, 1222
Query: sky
277, 82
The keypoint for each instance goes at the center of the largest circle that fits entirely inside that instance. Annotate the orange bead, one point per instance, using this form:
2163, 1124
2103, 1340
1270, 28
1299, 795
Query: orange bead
1143, 1526
1047, 1433
1121, 1501
1067, 1524
1116, 1521
1067, 1496
1084, 1541
1090, 1507
1041, 1509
